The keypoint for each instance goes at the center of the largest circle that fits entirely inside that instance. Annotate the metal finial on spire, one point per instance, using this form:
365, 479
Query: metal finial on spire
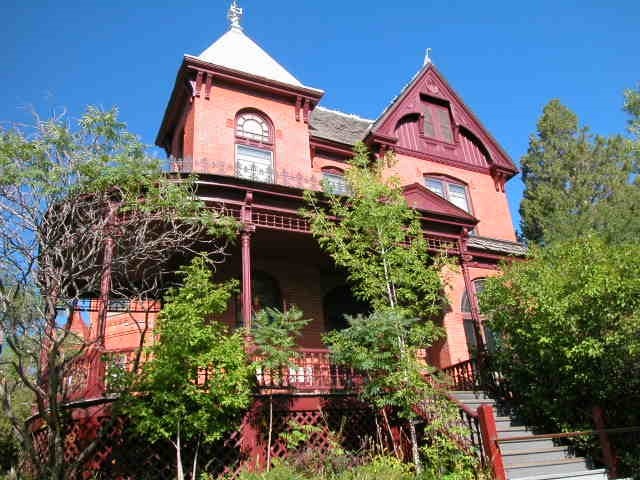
235, 15
427, 57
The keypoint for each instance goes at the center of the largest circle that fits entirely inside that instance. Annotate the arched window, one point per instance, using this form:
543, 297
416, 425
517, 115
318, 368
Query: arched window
266, 292
338, 303
469, 327
254, 146
334, 182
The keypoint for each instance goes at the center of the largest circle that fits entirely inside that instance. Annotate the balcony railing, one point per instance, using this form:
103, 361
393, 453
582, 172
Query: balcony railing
250, 171
310, 370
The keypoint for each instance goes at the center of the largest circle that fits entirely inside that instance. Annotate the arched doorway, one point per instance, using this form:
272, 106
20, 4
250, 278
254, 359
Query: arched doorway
338, 303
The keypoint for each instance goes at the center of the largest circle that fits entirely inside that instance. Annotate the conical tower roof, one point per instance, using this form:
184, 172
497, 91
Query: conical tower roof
235, 50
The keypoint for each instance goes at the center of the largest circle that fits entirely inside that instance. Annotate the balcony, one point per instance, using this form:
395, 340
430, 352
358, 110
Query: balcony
249, 170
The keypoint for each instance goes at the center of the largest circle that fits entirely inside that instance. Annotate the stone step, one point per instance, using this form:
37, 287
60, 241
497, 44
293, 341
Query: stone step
463, 395
528, 444
599, 474
505, 422
544, 467
513, 431
535, 454
476, 402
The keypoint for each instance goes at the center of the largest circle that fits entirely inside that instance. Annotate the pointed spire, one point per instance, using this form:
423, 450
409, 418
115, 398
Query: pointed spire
235, 15
427, 57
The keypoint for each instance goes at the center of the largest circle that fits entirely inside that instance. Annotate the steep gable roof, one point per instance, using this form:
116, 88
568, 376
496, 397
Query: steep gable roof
428, 82
420, 197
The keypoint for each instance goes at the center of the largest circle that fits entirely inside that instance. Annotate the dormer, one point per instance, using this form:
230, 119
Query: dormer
428, 119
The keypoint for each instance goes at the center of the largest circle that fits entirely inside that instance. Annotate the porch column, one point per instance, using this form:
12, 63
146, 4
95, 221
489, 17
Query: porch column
245, 245
245, 242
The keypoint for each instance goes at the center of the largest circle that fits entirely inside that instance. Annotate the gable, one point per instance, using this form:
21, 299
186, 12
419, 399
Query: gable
428, 119
423, 199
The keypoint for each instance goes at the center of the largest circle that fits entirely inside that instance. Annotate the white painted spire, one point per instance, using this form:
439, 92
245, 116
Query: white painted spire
427, 57
237, 51
235, 15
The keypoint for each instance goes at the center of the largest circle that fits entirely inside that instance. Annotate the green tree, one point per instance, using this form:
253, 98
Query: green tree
198, 381
577, 182
378, 239
275, 334
569, 323
71, 196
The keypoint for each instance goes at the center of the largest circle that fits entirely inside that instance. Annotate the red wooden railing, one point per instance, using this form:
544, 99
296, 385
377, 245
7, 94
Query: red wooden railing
310, 370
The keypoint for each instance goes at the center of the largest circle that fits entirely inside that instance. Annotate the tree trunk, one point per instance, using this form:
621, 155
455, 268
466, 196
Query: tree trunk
194, 469
270, 432
180, 471
414, 447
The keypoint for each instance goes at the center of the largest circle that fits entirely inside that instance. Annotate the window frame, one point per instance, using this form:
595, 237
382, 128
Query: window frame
445, 182
432, 111
489, 338
329, 173
265, 144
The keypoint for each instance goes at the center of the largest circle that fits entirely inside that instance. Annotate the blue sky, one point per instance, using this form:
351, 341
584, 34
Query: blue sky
505, 58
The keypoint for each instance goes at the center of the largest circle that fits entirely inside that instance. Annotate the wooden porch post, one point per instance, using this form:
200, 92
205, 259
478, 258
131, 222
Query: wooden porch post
245, 244
608, 452
489, 441
245, 240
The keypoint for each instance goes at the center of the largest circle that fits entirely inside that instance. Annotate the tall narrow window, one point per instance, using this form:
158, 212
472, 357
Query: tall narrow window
437, 122
254, 147
456, 193
469, 327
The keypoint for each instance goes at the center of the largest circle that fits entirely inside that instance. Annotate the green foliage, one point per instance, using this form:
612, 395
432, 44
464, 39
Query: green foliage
376, 468
577, 182
632, 107
446, 452
275, 335
299, 434
174, 392
383, 346
378, 240
569, 321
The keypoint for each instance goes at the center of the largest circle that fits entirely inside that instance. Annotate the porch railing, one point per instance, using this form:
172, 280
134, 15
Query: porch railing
311, 370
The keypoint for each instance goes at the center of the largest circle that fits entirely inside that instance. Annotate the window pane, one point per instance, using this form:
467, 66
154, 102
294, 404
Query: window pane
335, 184
253, 127
458, 196
470, 333
429, 130
435, 186
254, 164
445, 125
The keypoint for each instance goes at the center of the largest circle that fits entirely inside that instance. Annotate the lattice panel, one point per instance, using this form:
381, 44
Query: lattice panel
351, 428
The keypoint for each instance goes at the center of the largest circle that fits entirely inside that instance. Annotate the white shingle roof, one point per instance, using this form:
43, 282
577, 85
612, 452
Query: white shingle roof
237, 51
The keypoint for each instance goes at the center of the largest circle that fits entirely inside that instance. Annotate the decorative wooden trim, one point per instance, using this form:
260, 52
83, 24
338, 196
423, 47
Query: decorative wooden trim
298, 106
207, 88
199, 76
443, 160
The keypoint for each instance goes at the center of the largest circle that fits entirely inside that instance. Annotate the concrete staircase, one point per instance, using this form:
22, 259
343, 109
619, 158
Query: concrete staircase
531, 459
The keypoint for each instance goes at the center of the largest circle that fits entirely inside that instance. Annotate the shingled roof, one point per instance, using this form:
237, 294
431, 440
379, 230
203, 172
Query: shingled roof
338, 126
498, 246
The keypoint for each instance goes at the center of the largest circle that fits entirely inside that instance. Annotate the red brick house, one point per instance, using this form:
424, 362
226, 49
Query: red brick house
257, 137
